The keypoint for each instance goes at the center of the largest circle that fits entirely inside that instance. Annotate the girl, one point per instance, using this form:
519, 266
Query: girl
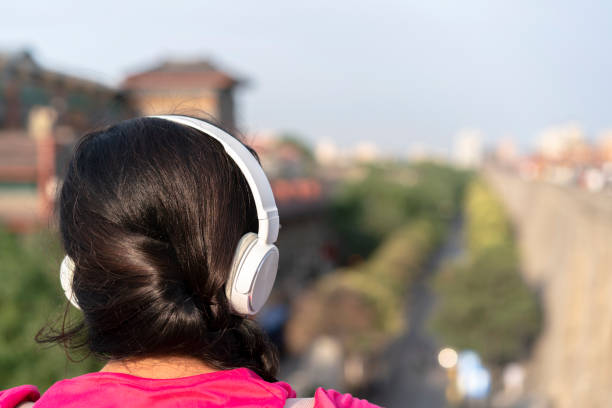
168, 224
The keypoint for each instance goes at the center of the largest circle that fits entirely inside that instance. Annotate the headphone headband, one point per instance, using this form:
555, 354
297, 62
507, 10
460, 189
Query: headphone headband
255, 258
267, 213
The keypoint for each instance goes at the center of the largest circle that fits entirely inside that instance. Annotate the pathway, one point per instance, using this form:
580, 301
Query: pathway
414, 379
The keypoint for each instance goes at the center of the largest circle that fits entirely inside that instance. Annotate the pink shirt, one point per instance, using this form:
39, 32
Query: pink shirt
239, 387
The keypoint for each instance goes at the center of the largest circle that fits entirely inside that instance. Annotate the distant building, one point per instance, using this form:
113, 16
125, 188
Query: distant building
604, 144
29, 163
562, 142
184, 86
506, 151
42, 112
282, 157
366, 152
80, 103
326, 152
468, 151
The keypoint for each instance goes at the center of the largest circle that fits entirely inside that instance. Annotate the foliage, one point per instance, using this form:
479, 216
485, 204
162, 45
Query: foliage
307, 161
366, 299
30, 296
396, 216
487, 223
364, 212
484, 303
298, 142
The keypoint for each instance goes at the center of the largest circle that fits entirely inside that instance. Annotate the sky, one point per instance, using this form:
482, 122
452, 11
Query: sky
396, 73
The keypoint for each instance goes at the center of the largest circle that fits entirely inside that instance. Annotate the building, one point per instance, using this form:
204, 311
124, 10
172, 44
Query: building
469, 152
42, 112
29, 171
80, 103
195, 87
565, 143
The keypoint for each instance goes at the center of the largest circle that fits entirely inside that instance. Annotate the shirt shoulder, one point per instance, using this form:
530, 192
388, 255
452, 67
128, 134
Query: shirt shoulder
334, 399
228, 388
15, 396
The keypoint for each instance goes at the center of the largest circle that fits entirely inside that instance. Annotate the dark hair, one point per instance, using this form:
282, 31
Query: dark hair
151, 212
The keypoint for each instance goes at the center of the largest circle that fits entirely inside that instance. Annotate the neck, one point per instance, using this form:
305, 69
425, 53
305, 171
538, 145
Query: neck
159, 367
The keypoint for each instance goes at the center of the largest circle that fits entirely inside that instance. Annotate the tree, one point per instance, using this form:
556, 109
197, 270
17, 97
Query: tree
30, 297
484, 304
364, 212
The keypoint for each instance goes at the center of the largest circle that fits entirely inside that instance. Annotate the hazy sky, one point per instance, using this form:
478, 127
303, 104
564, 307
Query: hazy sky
393, 72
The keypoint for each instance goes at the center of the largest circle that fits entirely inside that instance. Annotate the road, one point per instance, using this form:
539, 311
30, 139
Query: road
413, 377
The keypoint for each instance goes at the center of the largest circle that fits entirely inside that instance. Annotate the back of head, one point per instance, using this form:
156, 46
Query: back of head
151, 212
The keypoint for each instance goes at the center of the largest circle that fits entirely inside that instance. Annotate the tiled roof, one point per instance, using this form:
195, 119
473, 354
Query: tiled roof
180, 75
23, 61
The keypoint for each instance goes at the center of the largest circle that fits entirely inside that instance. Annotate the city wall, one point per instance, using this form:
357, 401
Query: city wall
565, 239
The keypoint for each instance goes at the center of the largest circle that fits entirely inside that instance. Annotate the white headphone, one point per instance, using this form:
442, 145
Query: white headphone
256, 257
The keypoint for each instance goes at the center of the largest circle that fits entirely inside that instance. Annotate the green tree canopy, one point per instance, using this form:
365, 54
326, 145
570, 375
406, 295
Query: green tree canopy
30, 297
483, 302
364, 212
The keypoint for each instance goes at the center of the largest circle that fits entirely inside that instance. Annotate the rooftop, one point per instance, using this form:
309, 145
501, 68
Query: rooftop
23, 63
181, 74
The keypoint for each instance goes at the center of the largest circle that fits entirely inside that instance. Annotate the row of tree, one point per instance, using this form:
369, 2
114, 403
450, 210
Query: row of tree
483, 302
389, 223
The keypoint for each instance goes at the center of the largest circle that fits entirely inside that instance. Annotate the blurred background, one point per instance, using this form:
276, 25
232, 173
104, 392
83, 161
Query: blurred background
443, 172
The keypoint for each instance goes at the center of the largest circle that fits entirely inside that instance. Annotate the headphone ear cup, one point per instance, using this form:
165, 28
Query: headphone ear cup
252, 275
247, 241
263, 259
